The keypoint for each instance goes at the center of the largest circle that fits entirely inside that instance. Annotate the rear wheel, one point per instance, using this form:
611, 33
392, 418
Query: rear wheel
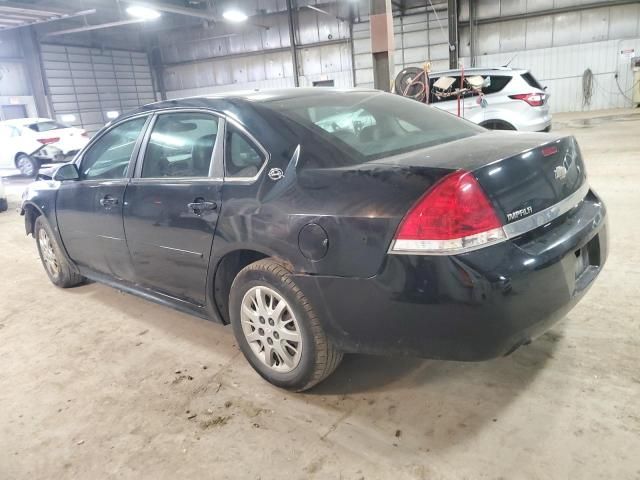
27, 165
60, 272
278, 330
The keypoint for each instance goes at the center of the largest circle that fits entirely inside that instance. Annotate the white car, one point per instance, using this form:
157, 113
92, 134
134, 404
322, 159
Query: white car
27, 143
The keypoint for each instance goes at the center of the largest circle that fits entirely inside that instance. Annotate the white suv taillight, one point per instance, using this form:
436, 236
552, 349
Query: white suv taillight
454, 216
533, 99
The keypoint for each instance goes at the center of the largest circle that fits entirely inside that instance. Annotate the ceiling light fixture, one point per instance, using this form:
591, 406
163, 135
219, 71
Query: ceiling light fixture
235, 16
143, 13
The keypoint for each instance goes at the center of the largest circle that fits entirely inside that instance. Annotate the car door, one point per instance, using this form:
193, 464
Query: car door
172, 203
89, 211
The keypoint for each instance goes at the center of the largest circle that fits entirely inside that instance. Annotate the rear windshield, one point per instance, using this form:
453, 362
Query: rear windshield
373, 125
531, 80
46, 126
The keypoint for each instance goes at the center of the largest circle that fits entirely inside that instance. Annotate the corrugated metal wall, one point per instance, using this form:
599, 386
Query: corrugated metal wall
14, 82
558, 48
418, 37
86, 83
223, 58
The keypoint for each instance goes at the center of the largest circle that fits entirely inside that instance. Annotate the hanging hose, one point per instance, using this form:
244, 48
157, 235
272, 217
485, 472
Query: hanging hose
587, 87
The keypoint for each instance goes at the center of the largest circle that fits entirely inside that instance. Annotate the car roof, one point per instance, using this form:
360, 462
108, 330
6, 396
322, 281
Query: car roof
282, 93
481, 71
266, 95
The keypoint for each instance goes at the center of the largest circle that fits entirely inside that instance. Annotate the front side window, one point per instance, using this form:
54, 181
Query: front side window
242, 159
181, 145
108, 157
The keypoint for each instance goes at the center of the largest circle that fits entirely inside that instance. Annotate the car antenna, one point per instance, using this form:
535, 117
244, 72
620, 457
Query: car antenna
509, 62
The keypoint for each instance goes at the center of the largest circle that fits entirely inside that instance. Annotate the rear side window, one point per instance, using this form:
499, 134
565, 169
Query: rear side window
367, 126
531, 80
108, 157
181, 145
46, 126
497, 83
243, 159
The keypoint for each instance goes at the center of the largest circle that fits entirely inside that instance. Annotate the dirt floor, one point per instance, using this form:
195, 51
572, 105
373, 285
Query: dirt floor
99, 384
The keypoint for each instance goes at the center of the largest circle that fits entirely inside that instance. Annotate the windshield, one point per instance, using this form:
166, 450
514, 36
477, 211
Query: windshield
374, 125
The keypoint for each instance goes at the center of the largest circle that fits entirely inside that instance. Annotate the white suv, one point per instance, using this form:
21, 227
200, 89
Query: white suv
512, 99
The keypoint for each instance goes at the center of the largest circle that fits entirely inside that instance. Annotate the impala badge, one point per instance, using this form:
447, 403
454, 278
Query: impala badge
560, 172
523, 212
276, 174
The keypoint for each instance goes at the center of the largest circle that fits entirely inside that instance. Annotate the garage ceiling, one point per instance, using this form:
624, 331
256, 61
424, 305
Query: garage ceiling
13, 15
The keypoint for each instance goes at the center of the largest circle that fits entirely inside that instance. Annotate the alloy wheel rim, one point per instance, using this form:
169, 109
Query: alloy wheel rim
25, 166
271, 329
48, 254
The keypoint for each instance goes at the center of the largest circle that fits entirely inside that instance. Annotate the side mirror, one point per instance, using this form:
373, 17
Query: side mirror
68, 171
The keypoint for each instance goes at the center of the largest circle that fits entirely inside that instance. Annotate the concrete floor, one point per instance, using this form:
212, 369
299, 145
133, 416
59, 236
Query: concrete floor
99, 384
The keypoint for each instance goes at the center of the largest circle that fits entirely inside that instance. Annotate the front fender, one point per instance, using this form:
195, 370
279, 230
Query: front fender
39, 198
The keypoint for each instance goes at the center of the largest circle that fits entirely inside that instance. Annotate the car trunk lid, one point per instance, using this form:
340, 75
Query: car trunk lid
521, 173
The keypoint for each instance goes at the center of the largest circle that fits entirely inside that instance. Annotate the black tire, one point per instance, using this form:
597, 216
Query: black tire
318, 357
65, 275
27, 165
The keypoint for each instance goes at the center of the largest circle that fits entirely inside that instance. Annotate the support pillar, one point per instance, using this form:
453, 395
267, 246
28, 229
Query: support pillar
381, 24
452, 14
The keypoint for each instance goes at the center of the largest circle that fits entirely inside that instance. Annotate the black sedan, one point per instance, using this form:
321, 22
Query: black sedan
318, 222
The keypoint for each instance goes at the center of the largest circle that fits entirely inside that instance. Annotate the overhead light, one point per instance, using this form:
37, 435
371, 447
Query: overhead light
235, 16
113, 114
144, 13
68, 118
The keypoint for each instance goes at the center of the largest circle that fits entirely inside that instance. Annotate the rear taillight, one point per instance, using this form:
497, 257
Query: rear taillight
533, 99
454, 216
47, 141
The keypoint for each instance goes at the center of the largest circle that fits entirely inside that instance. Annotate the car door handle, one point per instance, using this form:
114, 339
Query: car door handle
109, 201
200, 206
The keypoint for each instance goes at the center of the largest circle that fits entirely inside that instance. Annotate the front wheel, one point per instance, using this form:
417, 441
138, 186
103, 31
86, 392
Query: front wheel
60, 272
27, 165
278, 330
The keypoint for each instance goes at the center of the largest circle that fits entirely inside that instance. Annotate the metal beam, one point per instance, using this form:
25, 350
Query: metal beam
452, 15
292, 42
339, 41
473, 32
100, 26
551, 11
34, 68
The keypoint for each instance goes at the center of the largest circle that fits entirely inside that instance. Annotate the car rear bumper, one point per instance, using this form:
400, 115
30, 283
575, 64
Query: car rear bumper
538, 121
474, 306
